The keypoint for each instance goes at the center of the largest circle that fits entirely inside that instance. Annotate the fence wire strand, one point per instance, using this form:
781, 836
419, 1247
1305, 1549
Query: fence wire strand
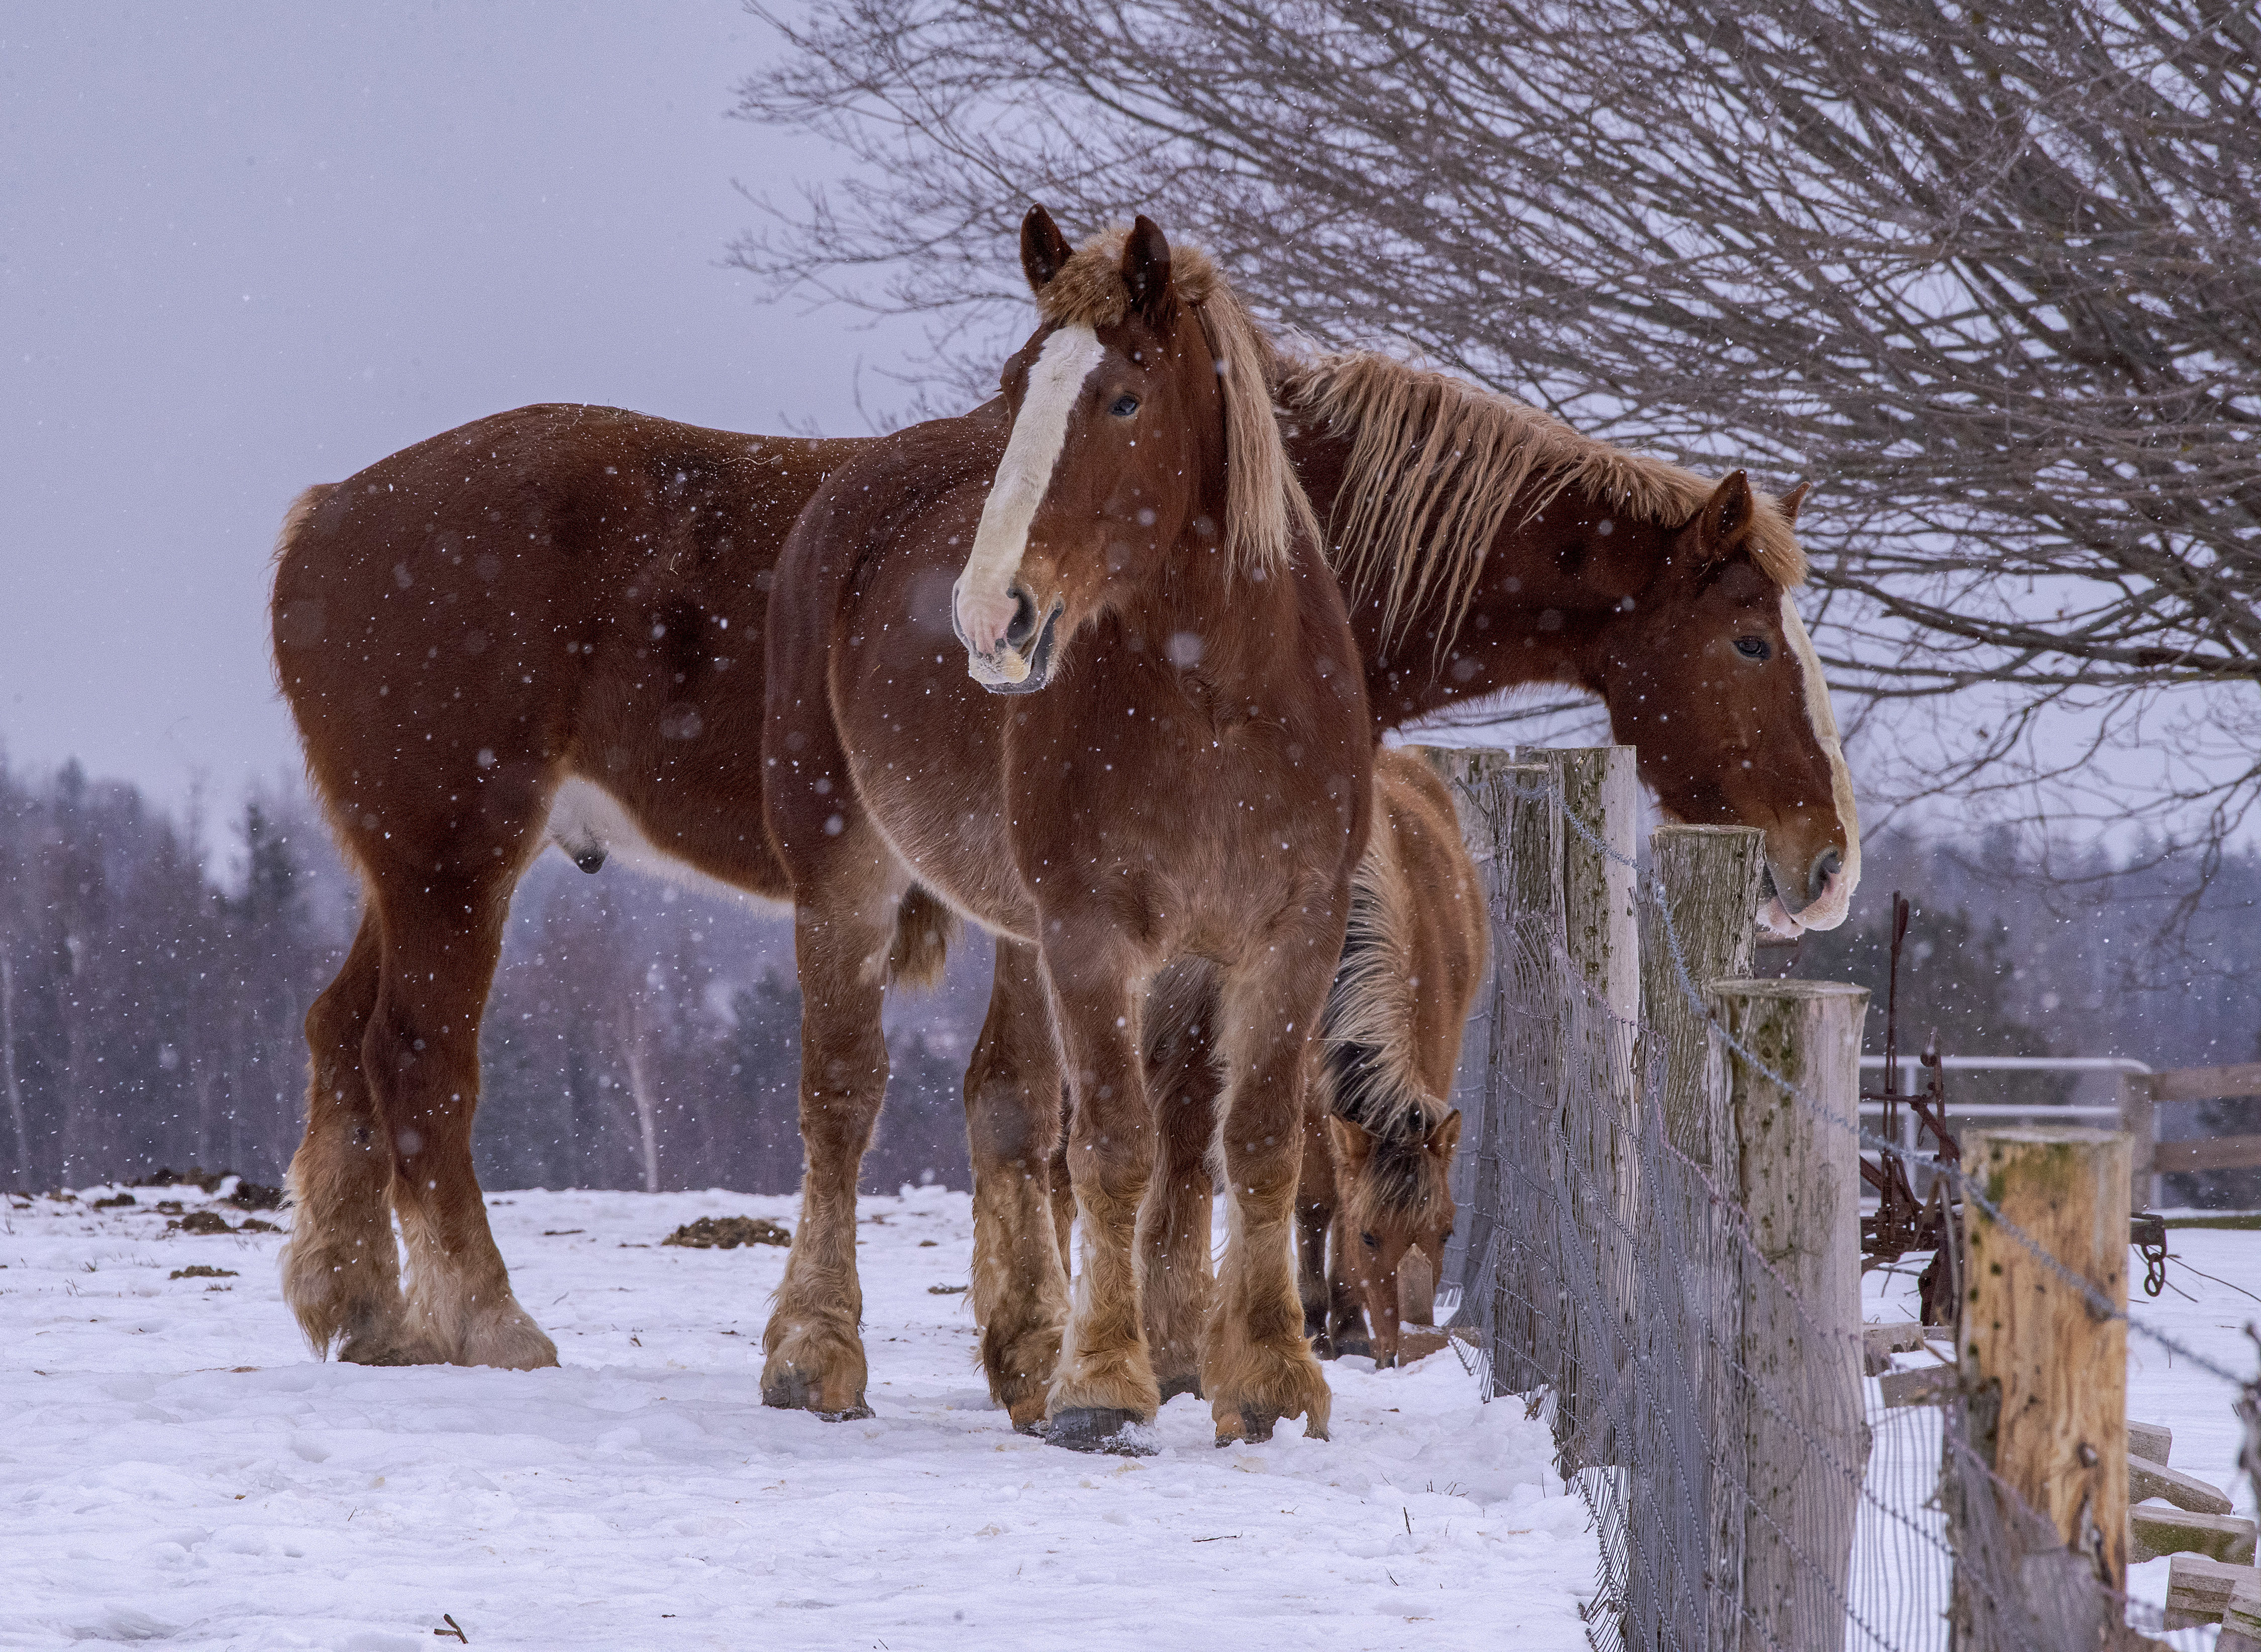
1741, 1501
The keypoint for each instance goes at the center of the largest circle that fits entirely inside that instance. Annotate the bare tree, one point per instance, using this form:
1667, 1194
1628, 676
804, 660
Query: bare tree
1990, 275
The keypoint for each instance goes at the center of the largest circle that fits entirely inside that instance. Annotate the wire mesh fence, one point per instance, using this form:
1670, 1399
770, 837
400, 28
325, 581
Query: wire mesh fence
1676, 1292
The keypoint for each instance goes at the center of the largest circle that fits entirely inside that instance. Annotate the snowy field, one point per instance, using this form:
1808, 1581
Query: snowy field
178, 1471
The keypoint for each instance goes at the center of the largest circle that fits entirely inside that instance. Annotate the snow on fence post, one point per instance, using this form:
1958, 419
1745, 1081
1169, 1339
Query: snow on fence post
1793, 1435
1600, 790
2044, 1380
1707, 879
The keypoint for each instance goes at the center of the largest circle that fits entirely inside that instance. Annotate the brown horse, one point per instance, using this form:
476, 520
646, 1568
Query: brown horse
1176, 761
1378, 1143
550, 623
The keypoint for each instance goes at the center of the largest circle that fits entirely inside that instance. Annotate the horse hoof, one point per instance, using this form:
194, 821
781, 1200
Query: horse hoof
1173, 1386
1104, 1428
1255, 1427
792, 1391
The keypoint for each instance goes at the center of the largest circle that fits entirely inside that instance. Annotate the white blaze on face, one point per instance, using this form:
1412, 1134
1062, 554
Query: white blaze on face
1836, 899
1024, 476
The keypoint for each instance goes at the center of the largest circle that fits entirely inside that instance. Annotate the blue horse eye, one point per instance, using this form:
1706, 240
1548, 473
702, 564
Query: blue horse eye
1124, 406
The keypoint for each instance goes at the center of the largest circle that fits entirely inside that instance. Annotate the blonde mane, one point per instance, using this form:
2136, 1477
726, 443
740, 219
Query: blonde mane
1266, 507
1436, 465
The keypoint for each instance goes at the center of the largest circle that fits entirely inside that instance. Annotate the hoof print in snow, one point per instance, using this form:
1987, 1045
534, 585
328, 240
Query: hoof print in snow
728, 1232
199, 1271
946, 1290
1109, 1429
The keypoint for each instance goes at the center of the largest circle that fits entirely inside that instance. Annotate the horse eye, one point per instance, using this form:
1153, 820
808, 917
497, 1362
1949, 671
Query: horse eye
1753, 647
1124, 406
1370, 1241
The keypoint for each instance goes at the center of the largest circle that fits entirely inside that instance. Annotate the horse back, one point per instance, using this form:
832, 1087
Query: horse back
553, 591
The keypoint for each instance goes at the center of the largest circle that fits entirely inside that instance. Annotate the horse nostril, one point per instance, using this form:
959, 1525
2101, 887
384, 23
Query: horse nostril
1826, 866
1024, 619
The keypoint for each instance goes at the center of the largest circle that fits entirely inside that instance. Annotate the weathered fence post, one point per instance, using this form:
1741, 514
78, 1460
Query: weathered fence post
1512, 816
2044, 1381
1706, 878
1600, 791
2139, 1117
1792, 1434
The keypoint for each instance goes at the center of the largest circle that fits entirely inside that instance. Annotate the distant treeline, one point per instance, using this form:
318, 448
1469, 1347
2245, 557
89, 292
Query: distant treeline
154, 973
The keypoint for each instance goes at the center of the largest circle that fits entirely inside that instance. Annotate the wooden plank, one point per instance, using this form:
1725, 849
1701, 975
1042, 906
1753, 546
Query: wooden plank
2153, 1531
2045, 1380
2206, 1083
2147, 1480
1797, 1180
2198, 1591
2150, 1440
2208, 1153
2241, 1616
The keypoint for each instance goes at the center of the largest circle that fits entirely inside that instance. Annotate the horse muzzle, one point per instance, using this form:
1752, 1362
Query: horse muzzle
1828, 894
1022, 662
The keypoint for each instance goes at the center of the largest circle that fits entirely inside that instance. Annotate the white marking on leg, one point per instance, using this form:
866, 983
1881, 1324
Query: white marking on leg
1024, 476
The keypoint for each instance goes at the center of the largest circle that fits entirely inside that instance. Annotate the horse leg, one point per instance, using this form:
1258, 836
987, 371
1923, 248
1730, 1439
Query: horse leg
1315, 1216
1257, 1366
814, 1349
1013, 1123
443, 938
341, 1268
1173, 1223
1105, 1379
1346, 1326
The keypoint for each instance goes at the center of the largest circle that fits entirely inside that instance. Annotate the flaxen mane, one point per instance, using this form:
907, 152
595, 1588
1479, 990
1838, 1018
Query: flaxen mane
1436, 465
1265, 508
1370, 1071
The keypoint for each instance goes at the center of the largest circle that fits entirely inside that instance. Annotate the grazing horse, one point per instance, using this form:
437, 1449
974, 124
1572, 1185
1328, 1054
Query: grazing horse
1175, 760
550, 624
1379, 1140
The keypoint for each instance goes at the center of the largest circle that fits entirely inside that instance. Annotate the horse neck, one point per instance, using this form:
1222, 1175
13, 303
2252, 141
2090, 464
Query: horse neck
1432, 658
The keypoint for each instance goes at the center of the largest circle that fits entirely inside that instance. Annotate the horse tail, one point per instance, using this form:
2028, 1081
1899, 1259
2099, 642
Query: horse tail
924, 929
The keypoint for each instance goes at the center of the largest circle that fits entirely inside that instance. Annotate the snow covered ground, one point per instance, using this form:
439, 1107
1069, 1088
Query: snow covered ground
176, 1469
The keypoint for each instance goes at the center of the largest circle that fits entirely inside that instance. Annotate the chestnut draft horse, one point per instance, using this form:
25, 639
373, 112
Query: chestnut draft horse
1174, 760
549, 623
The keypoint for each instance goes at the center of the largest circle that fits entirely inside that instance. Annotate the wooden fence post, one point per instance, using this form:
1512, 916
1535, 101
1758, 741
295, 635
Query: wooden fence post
1708, 878
1600, 790
2139, 1117
1513, 821
1793, 1433
2045, 1377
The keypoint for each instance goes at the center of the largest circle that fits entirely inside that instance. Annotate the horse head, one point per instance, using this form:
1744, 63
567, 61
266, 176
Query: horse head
1397, 1212
1707, 668
1125, 404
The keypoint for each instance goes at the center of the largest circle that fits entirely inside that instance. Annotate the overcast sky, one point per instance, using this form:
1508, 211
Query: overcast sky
246, 248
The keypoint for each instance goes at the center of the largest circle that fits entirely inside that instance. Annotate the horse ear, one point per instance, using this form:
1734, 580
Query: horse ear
1446, 1136
1353, 1143
1725, 519
1147, 269
1791, 500
1043, 249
